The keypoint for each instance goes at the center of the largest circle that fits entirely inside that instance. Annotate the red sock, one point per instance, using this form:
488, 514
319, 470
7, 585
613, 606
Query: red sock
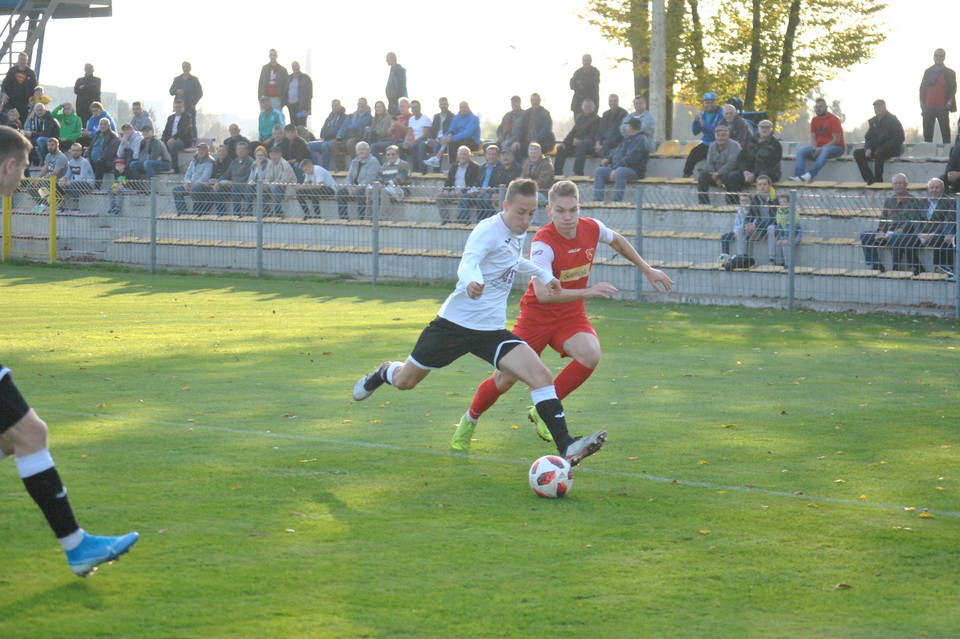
486, 396
571, 377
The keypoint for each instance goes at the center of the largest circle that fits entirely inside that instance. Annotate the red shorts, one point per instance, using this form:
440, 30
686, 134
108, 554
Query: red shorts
539, 335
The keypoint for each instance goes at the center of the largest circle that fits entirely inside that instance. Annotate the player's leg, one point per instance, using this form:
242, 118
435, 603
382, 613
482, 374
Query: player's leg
524, 364
400, 375
27, 433
488, 392
584, 348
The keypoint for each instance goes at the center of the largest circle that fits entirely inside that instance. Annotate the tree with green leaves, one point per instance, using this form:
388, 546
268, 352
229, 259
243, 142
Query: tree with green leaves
768, 52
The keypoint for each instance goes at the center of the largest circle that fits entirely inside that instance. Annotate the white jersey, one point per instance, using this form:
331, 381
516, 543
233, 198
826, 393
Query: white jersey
493, 255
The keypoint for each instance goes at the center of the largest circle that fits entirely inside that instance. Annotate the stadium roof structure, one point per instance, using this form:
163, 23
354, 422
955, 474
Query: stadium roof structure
27, 20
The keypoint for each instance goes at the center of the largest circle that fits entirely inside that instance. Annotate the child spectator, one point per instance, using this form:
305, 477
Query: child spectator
119, 188
784, 219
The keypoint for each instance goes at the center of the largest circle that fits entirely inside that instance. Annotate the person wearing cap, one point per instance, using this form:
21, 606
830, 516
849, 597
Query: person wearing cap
508, 133
826, 142
721, 161
705, 123
627, 162
883, 140
761, 156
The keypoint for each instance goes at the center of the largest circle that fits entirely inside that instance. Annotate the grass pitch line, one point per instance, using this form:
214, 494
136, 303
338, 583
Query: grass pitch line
407, 449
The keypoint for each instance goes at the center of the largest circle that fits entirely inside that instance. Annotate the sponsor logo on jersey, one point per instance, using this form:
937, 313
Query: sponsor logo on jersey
573, 274
574, 250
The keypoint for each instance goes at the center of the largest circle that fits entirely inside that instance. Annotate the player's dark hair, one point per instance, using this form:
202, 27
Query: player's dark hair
12, 143
563, 188
524, 187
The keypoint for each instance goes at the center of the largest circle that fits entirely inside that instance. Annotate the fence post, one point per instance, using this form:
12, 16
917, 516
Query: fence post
375, 193
259, 211
791, 240
153, 225
52, 248
956, 261
638, 244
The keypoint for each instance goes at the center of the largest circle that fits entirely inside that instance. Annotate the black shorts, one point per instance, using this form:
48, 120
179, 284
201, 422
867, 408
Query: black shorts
12, 404
442, 342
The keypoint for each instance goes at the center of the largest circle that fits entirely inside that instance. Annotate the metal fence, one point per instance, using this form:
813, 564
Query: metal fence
830, 259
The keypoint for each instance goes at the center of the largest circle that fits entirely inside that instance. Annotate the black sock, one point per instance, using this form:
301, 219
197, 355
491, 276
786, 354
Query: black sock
551, 412
47, 490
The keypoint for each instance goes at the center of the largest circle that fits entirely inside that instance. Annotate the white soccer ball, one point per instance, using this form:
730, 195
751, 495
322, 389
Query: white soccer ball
551, 476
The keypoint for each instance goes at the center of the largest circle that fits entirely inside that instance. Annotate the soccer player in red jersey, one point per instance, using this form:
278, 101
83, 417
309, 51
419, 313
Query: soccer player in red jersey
567, 245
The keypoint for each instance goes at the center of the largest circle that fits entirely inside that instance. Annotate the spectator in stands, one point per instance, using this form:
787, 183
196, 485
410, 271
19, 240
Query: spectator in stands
196, 183
77, 179
154, 157
739, 231
140, 117
826, 142
54, 165
221, 166
38, 97
71, 126
464, 131
277, 180
320, 148
178, 133
581, 140
97, 113
438, 129
951, 177
396, 84
39, 127
901, 212
721, 161
394, 175
762, 222
298, 97
275, 139
363, 171
129, 146
350, 132
273, 81
317, 185
485, 197
119, 189
18, 85
381, 132
705, 123
186, 87
585, 84
883, 140
610, 122
232, 185
648, 127
537, 126
294, 149
511, 168
418, 132
627, 162
13, 119
938, 97
269, 118
761, 156
539, 168
87, 90
103, 150
508, 133
463, 175
781, 230
938, 226
740, 130
233, 139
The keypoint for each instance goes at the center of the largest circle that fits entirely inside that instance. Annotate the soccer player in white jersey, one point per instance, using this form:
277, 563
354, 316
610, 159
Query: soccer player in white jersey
24, 435
473, 320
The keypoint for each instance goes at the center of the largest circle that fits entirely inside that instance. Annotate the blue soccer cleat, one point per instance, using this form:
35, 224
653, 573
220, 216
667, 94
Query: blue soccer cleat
94, 550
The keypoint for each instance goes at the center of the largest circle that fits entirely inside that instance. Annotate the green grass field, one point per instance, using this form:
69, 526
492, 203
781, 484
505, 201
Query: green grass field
768, 474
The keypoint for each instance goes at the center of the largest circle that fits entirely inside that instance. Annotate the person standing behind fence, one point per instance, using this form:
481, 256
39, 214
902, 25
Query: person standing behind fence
883, 141
585, 84
298, 97
938, 97
187, 87
273, 81
18, 85
901, 211
396, 84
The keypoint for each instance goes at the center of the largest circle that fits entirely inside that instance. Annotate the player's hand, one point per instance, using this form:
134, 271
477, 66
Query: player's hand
602, 289
553, 286
474, 290
658, 279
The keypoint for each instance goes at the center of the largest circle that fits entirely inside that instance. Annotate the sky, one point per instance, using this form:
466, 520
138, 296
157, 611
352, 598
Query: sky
510, 47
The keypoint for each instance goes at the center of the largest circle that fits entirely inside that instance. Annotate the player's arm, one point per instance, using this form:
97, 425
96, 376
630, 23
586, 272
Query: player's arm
469, 273
601, 289
656, 277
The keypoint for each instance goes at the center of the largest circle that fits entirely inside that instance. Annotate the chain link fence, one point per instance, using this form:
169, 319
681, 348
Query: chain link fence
848, 249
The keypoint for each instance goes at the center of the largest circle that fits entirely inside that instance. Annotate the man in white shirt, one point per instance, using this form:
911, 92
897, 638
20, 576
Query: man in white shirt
317, 185
418, 132
473, 320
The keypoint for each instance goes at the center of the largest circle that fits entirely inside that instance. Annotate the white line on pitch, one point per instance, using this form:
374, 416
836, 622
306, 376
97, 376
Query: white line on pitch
407, 449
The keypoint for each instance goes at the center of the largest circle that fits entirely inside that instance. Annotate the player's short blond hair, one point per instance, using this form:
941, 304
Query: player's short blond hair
563, 188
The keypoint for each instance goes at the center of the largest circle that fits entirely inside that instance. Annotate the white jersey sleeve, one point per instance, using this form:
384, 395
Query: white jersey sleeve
606, 234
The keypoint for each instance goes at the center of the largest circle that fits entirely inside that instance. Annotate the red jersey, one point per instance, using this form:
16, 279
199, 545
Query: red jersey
571, 261
824, 127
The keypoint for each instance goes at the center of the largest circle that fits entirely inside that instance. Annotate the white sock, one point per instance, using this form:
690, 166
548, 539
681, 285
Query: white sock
34, 463
391, 369
72, 540
541, 394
